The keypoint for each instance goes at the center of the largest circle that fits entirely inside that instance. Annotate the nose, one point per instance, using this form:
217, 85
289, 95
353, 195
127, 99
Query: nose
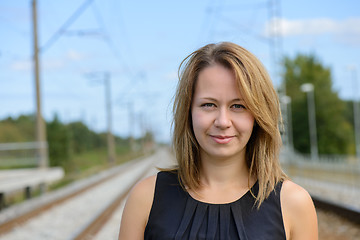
223, 119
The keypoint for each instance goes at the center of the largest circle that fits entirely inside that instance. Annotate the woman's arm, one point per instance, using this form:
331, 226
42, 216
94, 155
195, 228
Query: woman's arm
137, 210
299, 213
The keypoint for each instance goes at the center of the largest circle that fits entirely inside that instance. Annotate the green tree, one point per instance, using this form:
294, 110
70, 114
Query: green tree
333, 128
65, 141
58, 138
20, 129
349, 115
26, 124
83, 139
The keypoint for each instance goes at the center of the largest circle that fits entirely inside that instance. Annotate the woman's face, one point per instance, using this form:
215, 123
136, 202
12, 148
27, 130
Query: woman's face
221, 122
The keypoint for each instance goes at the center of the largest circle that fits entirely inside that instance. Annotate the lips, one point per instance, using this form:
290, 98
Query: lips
221, 139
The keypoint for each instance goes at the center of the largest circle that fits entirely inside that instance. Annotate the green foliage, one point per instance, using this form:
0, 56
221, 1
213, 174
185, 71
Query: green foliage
64, 140
349, 115
76, 148
83, 139
58, 137
19, 129
333, 128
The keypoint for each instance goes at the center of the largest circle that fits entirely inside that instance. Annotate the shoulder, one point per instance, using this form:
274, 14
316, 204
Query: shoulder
137, 209
298, 211
141, 197
144, 189
294, 195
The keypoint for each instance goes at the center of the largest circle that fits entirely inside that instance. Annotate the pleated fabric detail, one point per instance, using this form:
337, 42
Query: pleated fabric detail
211, 221
176, 215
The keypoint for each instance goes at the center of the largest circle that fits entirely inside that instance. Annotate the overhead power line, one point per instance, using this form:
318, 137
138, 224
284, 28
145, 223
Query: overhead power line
109, 42
240, 6
246, 29
67, 23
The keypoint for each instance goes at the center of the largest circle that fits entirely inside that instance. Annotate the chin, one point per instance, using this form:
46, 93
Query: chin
223, 155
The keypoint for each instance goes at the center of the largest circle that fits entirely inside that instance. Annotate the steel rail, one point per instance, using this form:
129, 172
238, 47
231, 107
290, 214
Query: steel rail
21, 219
91, 229
347, 212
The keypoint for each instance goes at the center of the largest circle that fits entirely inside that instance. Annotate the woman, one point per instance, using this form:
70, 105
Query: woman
228, 183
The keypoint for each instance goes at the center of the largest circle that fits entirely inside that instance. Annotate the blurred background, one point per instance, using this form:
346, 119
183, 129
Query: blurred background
85, 83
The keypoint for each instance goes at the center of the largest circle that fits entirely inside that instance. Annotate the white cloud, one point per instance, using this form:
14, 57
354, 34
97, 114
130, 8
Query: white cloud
345, 30
53, 64
49, 64
173, 76
75, 55
27, 65
21, 65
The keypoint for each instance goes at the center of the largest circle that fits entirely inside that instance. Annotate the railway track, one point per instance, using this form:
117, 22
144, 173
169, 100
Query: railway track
21, 219
94, 226
341, 214
82, 213
347, 212
337, 204
52, 220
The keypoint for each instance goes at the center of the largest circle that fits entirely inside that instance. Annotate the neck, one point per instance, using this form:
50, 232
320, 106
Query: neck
224, 172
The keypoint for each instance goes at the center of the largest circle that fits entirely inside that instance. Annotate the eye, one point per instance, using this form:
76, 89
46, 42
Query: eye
208, 105
238, 106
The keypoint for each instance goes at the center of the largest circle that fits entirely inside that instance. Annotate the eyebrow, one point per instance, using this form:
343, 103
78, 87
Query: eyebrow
233, 100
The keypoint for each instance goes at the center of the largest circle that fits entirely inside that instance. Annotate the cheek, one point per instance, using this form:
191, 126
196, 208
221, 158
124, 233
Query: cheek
196, 121
246, 124
199, 123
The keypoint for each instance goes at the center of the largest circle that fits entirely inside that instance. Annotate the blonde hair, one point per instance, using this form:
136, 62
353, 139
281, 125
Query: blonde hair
255, 86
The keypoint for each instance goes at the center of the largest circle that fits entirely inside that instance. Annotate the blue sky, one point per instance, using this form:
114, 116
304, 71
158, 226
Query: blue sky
141, 44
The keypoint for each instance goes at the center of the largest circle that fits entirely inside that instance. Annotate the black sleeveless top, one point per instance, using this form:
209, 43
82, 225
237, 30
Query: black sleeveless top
176, 215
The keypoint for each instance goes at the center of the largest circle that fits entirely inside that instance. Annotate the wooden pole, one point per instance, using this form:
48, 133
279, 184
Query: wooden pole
40, 124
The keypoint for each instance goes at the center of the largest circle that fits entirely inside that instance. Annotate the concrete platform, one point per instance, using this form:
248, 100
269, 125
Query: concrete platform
17, 180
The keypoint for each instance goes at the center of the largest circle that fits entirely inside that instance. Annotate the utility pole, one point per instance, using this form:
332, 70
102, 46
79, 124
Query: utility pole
40, 124
131, 126
110, 136
275, 44
105, 79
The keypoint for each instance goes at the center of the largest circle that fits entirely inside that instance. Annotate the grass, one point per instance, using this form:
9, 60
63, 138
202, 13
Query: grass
10, 167
92, 162
19, 196
80, 166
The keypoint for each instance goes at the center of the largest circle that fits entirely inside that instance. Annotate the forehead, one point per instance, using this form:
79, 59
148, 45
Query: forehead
216, 80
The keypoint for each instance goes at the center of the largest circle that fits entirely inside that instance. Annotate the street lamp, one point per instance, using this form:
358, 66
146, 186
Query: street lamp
286, 100
308, 88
